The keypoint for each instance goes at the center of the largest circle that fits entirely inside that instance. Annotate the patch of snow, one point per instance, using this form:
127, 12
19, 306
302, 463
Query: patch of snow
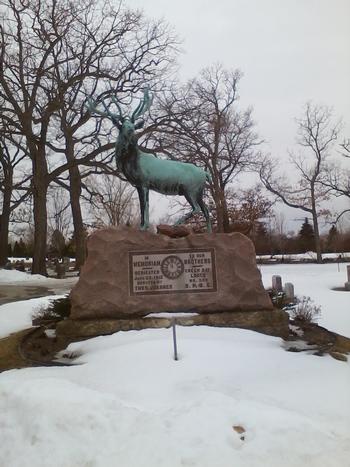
296, 330
14, 259
16, 316
13, 277
171, 315
309, 255
10, 276
127, 402
130, 404
50, 333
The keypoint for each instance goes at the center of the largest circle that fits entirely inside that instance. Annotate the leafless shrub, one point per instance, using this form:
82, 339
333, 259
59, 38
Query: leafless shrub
305, 310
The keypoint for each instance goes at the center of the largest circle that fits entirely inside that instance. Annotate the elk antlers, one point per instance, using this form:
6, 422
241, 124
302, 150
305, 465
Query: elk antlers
117, 117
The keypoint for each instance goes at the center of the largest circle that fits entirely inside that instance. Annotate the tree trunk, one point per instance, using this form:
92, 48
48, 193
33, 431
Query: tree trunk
4, 220
225, 216
74, 193
317, 237
219, 213
79, 231
40, 187
4, 234
223, 220
315, 222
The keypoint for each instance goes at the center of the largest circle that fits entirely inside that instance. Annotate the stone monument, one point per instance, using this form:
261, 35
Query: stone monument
134, 273
131, 276
135, 280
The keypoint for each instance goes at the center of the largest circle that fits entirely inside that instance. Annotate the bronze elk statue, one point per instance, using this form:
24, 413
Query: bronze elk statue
147, 172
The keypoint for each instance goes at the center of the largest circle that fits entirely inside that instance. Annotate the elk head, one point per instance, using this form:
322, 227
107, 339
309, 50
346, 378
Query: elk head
125, 124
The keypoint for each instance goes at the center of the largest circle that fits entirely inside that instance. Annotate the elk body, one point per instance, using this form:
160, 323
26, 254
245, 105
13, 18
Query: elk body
147, 172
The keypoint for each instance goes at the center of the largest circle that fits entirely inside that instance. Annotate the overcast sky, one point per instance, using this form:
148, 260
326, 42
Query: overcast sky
290, 52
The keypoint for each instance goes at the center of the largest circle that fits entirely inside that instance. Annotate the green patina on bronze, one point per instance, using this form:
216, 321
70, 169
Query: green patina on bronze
147, 172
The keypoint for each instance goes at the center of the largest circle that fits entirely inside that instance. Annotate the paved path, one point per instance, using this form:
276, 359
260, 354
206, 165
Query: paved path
22, 291
14, 293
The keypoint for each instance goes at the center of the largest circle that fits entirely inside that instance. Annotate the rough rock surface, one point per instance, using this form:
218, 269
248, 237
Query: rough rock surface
173, 231
103, 289
272, 322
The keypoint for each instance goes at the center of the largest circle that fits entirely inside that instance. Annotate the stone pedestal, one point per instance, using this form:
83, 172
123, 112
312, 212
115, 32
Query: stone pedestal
129, 273
271, 322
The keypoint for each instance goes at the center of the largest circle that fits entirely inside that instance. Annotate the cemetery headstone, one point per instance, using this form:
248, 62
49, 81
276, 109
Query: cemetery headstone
347, 283
277, 283
289, 291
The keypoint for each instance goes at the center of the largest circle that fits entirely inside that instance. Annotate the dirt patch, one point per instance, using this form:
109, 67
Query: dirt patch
31, 347
317, 339
10, 356
41, 346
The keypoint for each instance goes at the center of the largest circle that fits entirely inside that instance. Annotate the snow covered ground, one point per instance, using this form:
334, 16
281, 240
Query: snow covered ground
317, 281
16, 316
13, 276
127, 403
308, 256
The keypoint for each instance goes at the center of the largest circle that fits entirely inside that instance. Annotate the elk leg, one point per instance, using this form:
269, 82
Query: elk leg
146, 196
142, 206
205, 211
195, 209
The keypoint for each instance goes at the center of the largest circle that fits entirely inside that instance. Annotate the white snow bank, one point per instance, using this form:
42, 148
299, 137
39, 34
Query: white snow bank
16, 316
168, 314
130, 404
9, 276
309, 255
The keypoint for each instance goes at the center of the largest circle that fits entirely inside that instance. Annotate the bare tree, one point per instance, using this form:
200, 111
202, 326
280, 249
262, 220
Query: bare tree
47, 50
317, 134
345, 145
337, 178
59, 213
140, 53
205, 127
14, 188
111, 201
248, 208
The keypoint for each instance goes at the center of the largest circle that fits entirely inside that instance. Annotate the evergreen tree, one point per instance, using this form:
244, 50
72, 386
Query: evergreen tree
306, 237
332, 238
16, 250
22, 248
261, 239
19, 249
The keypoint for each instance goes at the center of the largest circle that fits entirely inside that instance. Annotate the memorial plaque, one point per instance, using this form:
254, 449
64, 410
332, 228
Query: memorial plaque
169, 271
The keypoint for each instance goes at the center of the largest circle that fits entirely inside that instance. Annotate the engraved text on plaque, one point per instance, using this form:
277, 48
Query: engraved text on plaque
168, 271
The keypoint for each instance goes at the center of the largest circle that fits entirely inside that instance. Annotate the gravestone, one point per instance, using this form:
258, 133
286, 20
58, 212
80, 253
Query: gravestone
289, 291
347, 284
277, 283
66, 263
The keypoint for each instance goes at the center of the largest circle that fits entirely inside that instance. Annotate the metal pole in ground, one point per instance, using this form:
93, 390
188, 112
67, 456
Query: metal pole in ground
174, 339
